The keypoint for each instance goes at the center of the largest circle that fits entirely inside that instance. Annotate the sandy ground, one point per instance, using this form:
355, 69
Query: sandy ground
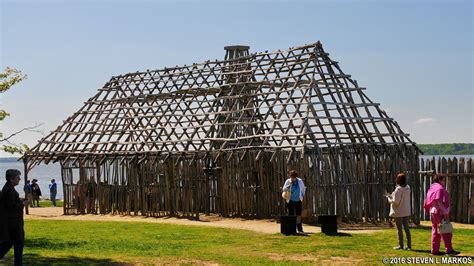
261, 226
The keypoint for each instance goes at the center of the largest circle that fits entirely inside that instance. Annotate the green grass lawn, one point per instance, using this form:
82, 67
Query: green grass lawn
85, 242
47, 203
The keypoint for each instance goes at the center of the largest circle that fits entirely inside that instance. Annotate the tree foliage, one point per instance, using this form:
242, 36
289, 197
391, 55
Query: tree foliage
8, 78
447, 149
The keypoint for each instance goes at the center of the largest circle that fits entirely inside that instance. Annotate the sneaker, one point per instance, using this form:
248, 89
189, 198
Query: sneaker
398, 248
407, 248
301, 232
453, 253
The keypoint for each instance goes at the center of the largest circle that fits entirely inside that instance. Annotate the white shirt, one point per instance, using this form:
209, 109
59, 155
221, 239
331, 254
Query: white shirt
287, 186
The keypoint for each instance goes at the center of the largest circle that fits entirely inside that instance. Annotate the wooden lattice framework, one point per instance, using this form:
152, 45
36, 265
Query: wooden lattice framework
219, 136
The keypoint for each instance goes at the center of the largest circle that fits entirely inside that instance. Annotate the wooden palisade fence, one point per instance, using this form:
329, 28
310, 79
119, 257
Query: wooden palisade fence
239, 188
459, 183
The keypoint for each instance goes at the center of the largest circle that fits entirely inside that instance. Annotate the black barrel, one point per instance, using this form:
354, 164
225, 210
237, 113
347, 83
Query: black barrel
288, 224
328, 224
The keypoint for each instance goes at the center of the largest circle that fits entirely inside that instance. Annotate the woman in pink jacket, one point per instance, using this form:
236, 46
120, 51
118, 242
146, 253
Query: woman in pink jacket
437, 204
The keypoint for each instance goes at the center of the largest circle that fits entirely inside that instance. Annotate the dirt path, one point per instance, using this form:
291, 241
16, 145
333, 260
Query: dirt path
261, 226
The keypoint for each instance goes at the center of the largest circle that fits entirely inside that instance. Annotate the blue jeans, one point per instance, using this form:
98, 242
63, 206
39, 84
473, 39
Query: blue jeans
53, 199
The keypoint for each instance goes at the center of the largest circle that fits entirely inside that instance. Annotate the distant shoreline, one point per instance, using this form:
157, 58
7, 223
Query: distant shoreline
447, 149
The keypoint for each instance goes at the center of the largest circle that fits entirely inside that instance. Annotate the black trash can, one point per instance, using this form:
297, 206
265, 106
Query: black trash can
288, 224
328, 224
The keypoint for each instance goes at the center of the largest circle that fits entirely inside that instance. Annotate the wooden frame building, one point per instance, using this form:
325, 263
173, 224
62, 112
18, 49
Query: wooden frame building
220, 136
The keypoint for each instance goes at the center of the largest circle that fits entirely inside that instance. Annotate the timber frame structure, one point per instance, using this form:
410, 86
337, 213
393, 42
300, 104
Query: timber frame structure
219, 137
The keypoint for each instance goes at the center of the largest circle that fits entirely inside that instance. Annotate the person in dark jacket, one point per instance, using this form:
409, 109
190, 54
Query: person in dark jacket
12, 207
36, 192
3, 222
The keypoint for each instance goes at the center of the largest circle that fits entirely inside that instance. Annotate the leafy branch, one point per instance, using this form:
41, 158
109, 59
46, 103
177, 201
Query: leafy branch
9, 77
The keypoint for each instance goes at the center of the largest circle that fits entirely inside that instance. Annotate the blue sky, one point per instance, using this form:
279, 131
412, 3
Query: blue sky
414, 57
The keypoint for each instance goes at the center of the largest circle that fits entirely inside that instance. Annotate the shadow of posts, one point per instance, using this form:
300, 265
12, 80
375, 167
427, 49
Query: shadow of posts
35, 259
41, 243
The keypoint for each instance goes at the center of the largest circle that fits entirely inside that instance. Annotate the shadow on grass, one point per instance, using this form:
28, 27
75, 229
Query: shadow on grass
45, 243
338, 234
421, 251
297, 234
35, 259
327, 234
48, 244
422, 227
302, 234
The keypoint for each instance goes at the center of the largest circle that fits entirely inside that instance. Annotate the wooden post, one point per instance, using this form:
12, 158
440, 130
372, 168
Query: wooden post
25, 169
470, 168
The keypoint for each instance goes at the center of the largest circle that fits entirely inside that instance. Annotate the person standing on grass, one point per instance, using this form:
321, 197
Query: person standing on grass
400, 209
53, 190
12, 212
36, 192
295, 202
28, 192
437, 204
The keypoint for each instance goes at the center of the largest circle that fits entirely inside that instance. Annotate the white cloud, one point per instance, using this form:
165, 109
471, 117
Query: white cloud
423, 121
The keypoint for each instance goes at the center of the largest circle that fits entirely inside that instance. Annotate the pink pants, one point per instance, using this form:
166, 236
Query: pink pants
436, 219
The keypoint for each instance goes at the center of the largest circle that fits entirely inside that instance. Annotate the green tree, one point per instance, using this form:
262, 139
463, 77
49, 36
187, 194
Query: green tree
8, 78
